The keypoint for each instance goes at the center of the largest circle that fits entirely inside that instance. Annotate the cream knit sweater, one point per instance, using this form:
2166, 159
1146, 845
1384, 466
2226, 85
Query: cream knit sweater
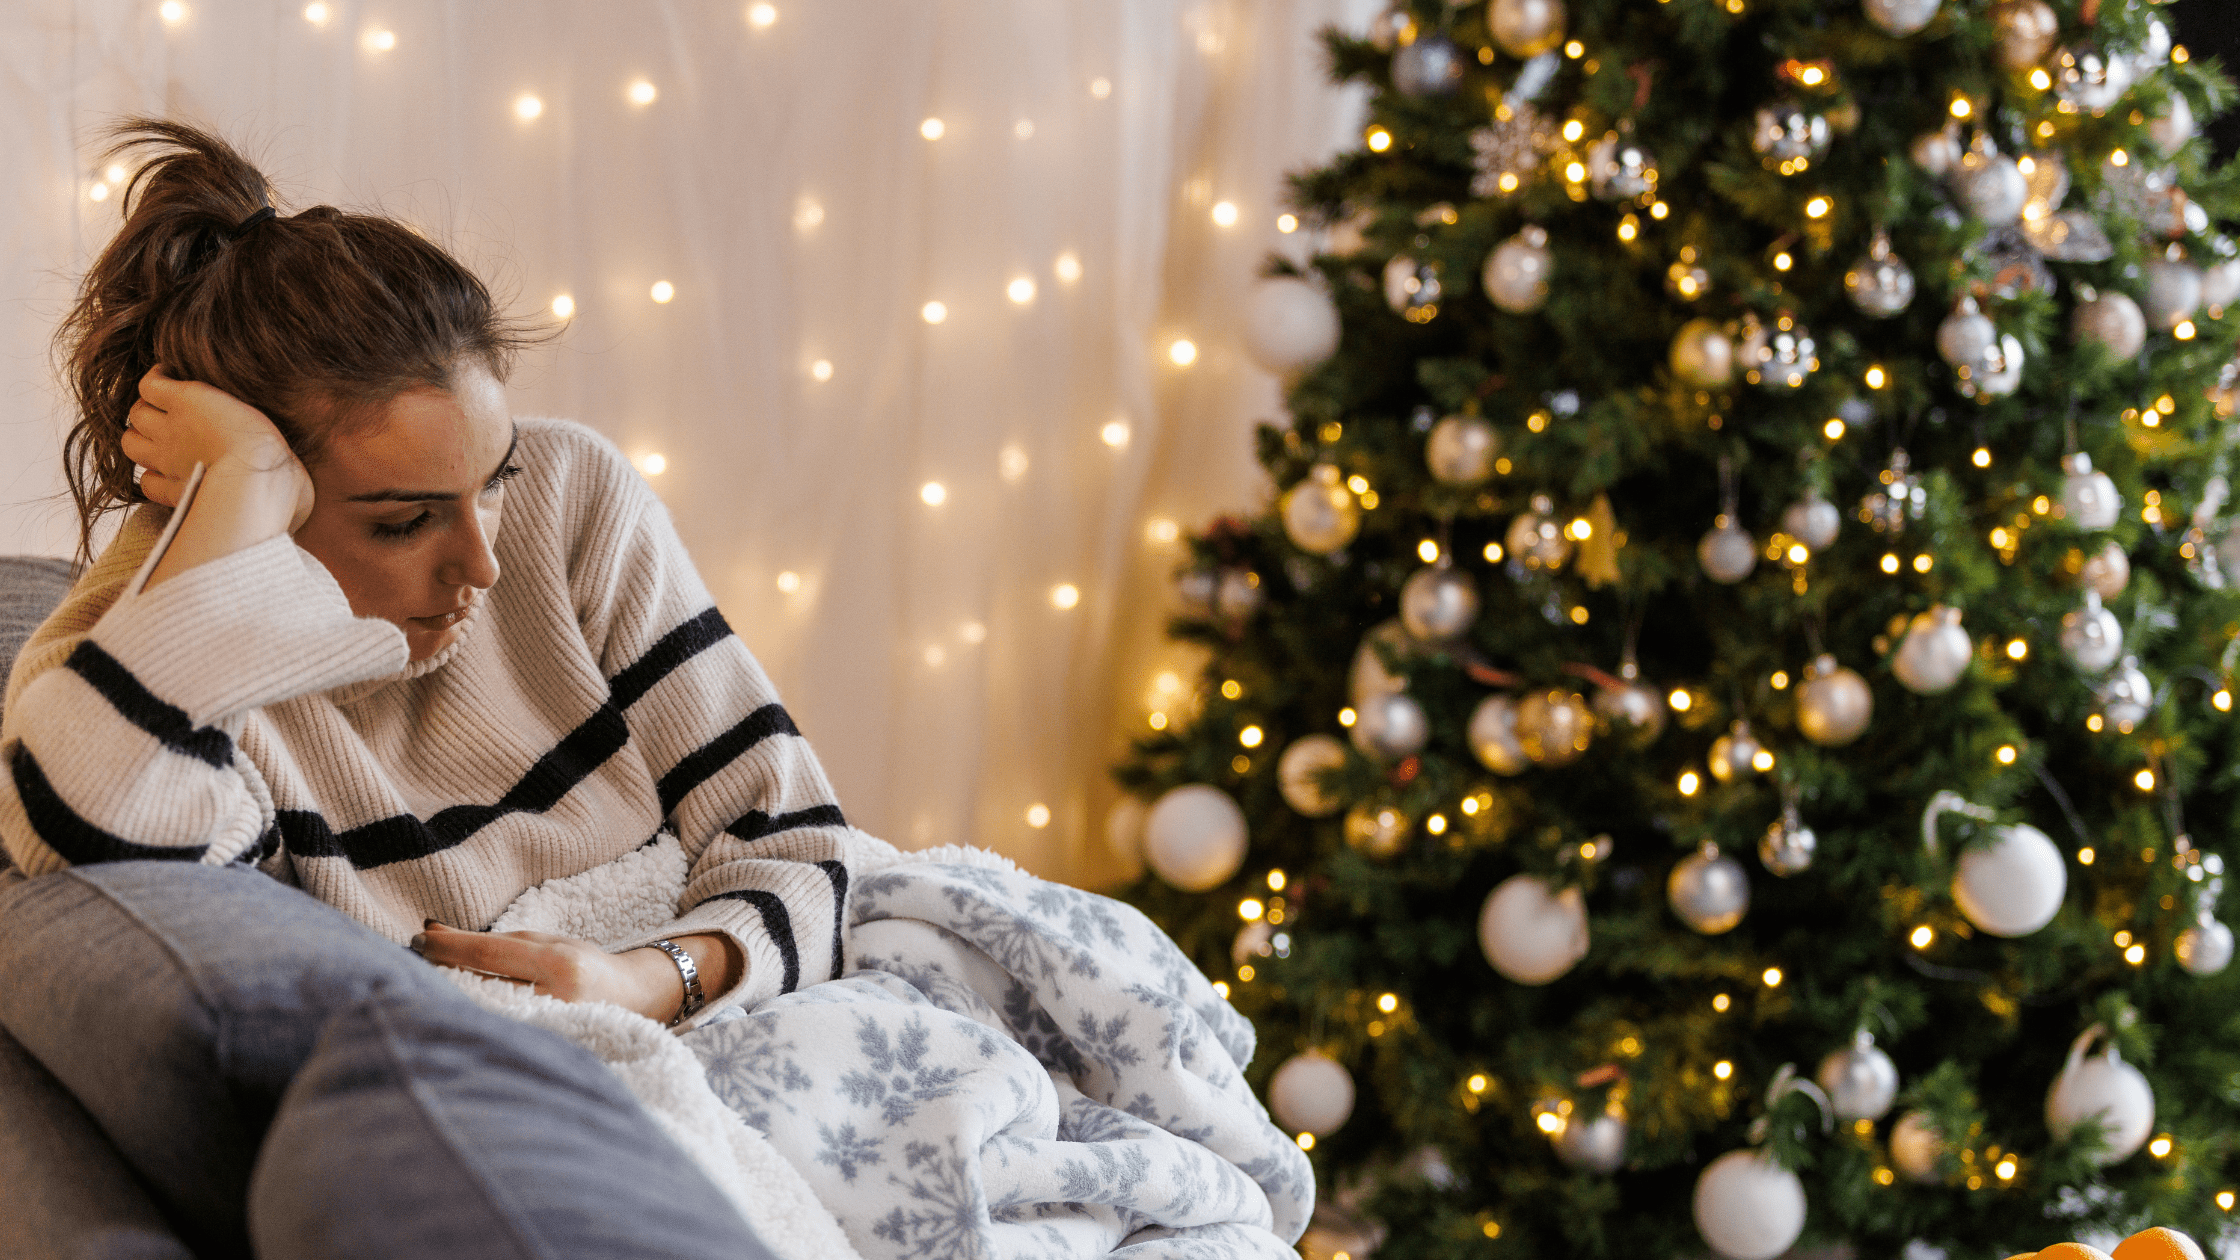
239, 713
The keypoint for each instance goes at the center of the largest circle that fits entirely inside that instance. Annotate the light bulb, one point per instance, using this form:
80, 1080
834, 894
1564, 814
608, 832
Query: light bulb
1115, 433
663, 291
317, 13
527, 107
932, 128
821, 370
642, 93
1020, 291
1038, 815
652, 463
99, 192
1024, 129
1225, 213
172, 11
762, 16
1100, 88
380, 41
564, 307
1183, 352
789, 582
807, 214
1067, 268
934, 493
1064, 595
933, 312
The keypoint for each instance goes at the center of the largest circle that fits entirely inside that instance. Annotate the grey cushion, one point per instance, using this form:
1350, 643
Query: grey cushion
30, 587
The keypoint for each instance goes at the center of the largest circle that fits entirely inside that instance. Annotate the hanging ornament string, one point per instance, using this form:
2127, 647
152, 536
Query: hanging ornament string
2061, 798
1600, 678
1945, 802
1786, 1082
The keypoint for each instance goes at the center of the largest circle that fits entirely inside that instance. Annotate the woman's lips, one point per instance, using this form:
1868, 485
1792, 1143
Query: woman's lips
444, 621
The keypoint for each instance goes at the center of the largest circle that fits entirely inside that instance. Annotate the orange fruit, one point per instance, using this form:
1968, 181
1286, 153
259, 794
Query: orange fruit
2073, 1251
2159, 1243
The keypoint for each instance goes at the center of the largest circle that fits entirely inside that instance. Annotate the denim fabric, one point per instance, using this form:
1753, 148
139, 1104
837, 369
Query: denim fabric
201, 1014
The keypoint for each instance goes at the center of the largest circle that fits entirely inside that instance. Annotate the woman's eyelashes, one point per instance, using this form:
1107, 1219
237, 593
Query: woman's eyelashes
406, 529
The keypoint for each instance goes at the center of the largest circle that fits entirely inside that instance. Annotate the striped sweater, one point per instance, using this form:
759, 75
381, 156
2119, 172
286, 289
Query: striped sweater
238, 712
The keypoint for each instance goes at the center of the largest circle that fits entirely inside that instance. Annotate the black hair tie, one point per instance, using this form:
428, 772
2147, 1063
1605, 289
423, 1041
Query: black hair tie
254, 219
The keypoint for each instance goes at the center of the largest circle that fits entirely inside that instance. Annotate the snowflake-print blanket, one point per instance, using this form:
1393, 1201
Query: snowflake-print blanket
1011, 1069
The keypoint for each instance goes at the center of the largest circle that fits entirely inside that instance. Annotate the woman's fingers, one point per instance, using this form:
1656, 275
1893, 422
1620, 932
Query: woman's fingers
549, 963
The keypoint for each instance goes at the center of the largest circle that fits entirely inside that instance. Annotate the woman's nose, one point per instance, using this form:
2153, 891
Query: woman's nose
469, 560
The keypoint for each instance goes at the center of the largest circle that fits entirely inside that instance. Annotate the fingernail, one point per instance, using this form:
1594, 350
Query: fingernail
419, 942
430, 923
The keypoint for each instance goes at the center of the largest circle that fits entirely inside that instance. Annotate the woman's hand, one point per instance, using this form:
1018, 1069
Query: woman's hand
177, 424
642, 980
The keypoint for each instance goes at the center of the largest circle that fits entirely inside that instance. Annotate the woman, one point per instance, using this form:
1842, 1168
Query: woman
388, 644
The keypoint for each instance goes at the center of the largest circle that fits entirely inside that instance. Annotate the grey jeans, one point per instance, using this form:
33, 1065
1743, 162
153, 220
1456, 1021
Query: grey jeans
281, 1077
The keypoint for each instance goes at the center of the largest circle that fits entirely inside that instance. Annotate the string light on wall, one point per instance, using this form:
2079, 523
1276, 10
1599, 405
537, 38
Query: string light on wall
641, 92
789, 582
933, 493
1020, 291
1100, 88
1114, 433
1024, 129
527, 107
1182, 352
1161, 530
663, 292
98, 191
1225, 214
652, 463
933, 312
935, 656
762, 16
380, 40
1287, 223
563, 307
318, 13
807, 214
1067, 268
172, 11
1038, 815
1011, 462
933, 128
1064, 595
973, 632
821, 370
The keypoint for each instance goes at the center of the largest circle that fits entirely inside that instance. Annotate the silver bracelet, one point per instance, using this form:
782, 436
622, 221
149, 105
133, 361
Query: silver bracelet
694, 999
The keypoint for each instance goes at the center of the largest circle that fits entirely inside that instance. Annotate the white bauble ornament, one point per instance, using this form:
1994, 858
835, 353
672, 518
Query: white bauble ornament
1934, 653
1311, 1093
1915, 1147
1431, 66
1535, 539
1194, 837
1369, 678
2013, 885
1788, 845
1860, 1080
2091, 80
2153, 51
2113, 320
1966, 335
2091, 635
1516, 272
1747, 1207
2173, 292
1438, 603
1834, 705
1123, 831
1937, 152
2171, 131
1377, 831
2088, 498
1461, 450
1709, 891
1530, 934
1880, 284
2205, 948
1238, 595
2106, 1087
1630, 712
1727, 552
2000, 373
1785, 131
1319, 514
2220, 285
1735, 754
1702, 355
1254, 940
1992, 187
1525, 28
1290, 324
1391, 727
2027, 29
1299, 774
1596, 1145
1553, 727
1813, 521
1334, 1233
1197, 588
2107, 570
1412, 287
1493, 736
2125, 696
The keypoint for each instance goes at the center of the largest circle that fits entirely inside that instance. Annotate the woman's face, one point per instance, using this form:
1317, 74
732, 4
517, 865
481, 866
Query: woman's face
407, 507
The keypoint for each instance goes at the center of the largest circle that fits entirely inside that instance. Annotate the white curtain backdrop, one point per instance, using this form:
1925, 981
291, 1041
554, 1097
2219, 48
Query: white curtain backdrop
966, 668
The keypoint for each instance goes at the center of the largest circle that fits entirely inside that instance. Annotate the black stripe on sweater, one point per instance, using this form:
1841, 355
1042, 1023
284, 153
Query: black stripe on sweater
755, 824
702, 763
79, 842
663, 658
144, 709
838, 874
778, 924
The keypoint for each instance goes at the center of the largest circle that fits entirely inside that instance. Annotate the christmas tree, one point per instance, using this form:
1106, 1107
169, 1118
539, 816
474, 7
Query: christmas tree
1723, 739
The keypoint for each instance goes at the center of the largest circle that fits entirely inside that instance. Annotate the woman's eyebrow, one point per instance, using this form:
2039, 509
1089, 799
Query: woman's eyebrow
428, 496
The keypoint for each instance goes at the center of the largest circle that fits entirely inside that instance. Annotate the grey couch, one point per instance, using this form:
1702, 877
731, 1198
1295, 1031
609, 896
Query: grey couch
64, 1192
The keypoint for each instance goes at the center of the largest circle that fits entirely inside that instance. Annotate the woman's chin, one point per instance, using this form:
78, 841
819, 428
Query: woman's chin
426, 643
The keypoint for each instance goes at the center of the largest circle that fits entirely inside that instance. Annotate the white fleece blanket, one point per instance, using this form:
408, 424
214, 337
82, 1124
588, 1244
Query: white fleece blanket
1013, 1068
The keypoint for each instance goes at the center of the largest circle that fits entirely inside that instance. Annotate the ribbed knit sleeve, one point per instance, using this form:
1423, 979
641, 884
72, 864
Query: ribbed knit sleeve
125, 709
736, 780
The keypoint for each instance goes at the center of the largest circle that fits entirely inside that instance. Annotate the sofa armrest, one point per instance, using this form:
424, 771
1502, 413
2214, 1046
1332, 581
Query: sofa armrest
64, 1190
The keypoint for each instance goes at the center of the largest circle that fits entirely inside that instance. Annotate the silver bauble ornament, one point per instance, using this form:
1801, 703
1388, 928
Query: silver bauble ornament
1391, 727
1254, 940
1411, 287
1438, 603
1194, 837
1311, 1093
1702, 355
1493, 736
1992, 188
2113, 320
2205, 948
1785, 131
1290, 325
1319, 514
2091, 636
1916, 1147
1812, 520
1431, 66
1237, 596
1788, 845
2171, 131
2088, 497
1778, 357
1860, 1080
1530, 933
1620, 169
1736, 754
1377, 831
1553, 727
1596, 1144
1631, 713
1461, 450
1966, 335
1900, 17
1516, 272
2106, 1087
2220, 285
1999, 374
1299, 774
1726, 551
2173, 292
2126, 696
1937, 152
1934, 653
1746, 1206
2107, 570
2089, 79
1709, 891
1393, 27
1834, 705
1197, 588
2027, 29
1525, 28
1880, 283
1369, 676
1535, 539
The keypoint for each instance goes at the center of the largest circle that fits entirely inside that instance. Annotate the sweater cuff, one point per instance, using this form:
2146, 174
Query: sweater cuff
262, 625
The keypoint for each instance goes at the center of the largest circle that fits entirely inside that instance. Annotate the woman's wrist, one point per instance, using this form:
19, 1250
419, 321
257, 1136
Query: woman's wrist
239, 505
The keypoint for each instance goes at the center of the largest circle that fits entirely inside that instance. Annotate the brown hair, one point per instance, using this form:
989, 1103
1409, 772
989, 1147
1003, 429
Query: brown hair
316, 319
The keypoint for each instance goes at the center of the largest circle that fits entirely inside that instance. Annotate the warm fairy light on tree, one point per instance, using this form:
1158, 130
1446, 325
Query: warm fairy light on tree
1182, 352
